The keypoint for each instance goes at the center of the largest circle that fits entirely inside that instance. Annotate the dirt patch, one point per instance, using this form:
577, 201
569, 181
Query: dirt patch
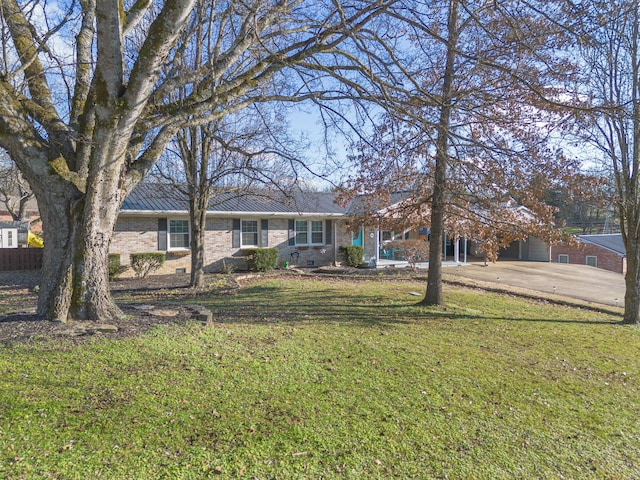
25, 327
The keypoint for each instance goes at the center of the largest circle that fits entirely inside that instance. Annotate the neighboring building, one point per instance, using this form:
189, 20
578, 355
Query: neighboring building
13, 234
32, 216
602, 251
8, 235
532, 249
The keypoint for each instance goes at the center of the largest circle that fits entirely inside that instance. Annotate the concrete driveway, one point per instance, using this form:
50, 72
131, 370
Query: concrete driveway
575, 281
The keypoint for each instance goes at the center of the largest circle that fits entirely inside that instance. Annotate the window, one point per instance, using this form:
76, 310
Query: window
249, 233
390, 236
591, 260
563, 258
10, 238
309, 232
178, 234
302, 236
316, 232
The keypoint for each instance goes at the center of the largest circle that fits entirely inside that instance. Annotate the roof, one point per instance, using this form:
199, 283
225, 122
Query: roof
362, 204
612, 242
31, 207
163, 198
13, 224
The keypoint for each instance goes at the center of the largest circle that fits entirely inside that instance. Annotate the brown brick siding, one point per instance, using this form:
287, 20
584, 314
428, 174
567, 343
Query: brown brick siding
369, 243
607, 259
139, 234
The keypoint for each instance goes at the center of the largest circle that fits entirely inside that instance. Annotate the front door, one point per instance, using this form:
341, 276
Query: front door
357, 240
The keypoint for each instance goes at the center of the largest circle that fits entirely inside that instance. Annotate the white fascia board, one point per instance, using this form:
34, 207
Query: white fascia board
154, 213
180, 213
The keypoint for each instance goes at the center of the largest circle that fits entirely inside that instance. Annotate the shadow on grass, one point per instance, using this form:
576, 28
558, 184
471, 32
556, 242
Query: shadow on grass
457, 316
268, 305
284, 304
359, 314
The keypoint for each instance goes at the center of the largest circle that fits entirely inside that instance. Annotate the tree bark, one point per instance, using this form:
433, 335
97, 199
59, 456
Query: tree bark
632, 291
433, 294
198, 214
632, 276
74, 282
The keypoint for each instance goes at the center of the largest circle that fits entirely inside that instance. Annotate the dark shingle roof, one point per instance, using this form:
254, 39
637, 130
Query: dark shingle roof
611, 242
156, 198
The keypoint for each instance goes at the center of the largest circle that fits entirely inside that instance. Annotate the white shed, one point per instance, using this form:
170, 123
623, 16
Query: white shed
8, 237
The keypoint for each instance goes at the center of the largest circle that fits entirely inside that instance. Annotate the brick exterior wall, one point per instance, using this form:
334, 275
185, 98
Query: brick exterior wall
607, 259
140, 234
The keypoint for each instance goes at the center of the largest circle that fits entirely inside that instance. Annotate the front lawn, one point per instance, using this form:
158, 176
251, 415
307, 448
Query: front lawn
311, 378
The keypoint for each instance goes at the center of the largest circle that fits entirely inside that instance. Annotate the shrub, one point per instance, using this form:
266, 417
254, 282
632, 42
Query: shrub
262, 259
227, 269
145, 263
113, 266
352, 255
414, 250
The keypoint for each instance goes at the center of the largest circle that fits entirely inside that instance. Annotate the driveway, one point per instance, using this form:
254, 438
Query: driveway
575, 281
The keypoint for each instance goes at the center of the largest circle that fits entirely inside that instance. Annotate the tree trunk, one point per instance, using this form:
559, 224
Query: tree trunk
78, 226
631, 221
632, 283
60, 221
74, 282
433, 294
198, 214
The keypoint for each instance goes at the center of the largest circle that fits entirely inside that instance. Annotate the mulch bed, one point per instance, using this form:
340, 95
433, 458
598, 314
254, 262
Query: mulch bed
18, 293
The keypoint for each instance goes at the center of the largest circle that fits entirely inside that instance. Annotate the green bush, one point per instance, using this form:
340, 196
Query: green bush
113, 266
352, 255
261, 259
145, 263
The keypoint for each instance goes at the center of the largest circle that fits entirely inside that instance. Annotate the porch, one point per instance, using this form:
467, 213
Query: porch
383, 263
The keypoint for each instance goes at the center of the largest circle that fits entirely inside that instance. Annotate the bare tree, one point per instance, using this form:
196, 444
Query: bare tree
234, 156
226, 153
466, 133
608, 43
85, 131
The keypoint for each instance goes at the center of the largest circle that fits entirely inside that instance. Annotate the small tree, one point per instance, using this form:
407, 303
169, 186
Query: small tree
607, 42
414, 251
463, 137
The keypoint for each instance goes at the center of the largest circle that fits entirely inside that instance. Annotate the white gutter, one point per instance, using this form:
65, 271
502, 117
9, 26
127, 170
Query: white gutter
169, 213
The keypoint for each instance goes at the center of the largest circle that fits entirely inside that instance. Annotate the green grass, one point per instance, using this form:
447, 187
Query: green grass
304, 378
